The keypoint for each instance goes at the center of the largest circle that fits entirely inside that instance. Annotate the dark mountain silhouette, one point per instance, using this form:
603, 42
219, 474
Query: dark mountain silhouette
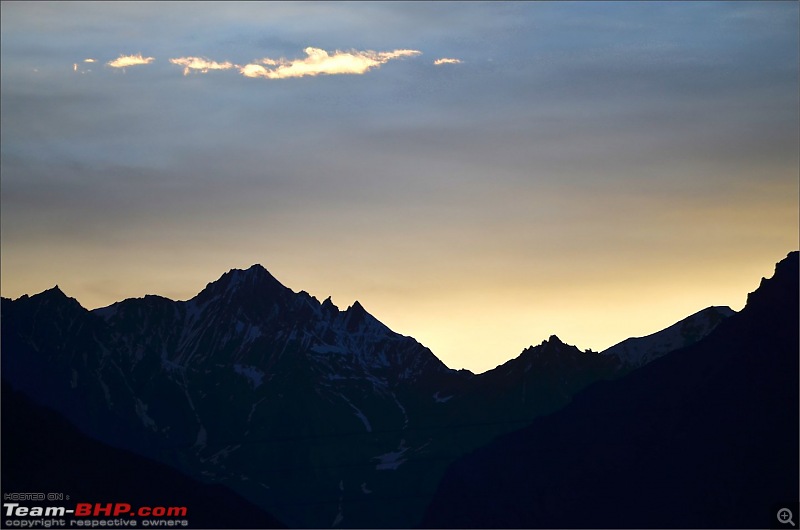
322, 417
705, 437
42, 452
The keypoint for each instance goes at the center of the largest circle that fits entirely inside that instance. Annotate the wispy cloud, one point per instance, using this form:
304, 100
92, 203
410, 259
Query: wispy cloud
446, 60
318, 61
200, 64
124, 61
76, 68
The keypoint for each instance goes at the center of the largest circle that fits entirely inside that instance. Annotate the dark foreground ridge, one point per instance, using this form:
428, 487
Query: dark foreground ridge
42, 452
706, 437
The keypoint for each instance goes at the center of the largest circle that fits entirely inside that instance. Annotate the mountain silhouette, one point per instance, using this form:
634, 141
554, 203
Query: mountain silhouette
319, 416
705, 437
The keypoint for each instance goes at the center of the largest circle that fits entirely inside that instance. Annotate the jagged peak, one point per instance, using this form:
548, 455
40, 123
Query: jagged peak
552, 344
57, 295
355, 316
54, 292
553, 340
785, 278
255, 272
328, 305
308, 297
23, 297
255, 279
356, 308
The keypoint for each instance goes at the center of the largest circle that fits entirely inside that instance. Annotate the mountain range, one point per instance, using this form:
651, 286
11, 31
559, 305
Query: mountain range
705, 437
318, 416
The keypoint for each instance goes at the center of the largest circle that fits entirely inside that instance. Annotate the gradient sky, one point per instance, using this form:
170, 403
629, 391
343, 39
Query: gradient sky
591, 170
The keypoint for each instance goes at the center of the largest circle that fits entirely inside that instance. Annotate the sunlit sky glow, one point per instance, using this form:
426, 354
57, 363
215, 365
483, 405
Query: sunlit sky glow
478, 175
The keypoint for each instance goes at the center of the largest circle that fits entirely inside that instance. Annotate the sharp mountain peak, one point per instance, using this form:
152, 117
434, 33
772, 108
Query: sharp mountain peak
356, 308
255, 272
54, 291
56, 294
254, 280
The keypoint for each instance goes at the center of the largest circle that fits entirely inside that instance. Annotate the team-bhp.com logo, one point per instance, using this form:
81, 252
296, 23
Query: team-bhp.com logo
91, 514
87, 509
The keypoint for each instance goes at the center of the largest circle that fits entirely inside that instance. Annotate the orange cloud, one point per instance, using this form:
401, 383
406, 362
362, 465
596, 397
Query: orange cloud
124, 61
319, 61
200, 64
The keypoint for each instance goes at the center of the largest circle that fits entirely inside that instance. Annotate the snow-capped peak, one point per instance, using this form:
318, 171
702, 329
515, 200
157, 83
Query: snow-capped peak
639, 351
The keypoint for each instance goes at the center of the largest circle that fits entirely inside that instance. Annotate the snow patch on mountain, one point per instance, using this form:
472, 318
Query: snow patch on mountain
106, 392
223, 453
638, 351
141, 411
441, 399
251, 333
193, 311
202, 438
402, 409
393, 459
253, 374
340, 512
357, 411
253, 408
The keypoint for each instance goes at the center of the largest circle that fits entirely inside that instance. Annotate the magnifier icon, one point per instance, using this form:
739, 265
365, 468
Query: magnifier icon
785, 516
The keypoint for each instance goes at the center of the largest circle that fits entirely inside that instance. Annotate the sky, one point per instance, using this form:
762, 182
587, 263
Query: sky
479, 176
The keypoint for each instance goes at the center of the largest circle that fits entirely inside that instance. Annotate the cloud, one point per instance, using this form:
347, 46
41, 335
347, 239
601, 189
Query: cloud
201, 64
319, 61
446, 60
123, 61
316, 62
77, 68
254, 70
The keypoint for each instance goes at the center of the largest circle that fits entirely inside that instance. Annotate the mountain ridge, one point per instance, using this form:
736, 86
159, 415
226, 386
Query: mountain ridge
202, 384
705, 437
638, 351
261, 282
